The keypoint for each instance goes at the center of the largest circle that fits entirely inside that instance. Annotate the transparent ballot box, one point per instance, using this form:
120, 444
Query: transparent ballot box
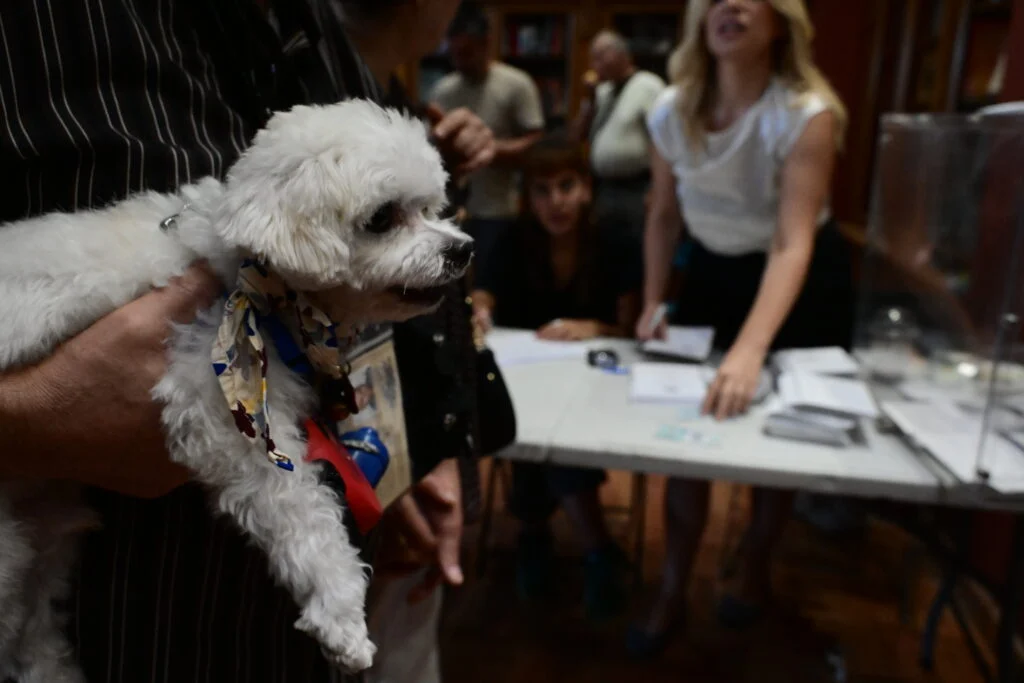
939, 329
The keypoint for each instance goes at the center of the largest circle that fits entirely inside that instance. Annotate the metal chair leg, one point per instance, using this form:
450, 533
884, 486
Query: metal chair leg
1013, 594
638, 525
943, 598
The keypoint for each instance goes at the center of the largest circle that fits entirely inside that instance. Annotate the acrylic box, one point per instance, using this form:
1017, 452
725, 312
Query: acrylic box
941, 284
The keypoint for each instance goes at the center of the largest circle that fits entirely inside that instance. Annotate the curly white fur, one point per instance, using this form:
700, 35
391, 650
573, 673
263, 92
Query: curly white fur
302, 198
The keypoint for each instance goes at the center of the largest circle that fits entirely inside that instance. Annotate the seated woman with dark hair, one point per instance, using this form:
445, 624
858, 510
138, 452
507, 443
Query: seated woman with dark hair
561, 274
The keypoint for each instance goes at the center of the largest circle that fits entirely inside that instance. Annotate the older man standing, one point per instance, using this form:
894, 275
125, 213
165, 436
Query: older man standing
613, 116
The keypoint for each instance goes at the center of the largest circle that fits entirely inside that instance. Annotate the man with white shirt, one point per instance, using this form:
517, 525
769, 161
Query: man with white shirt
613, 116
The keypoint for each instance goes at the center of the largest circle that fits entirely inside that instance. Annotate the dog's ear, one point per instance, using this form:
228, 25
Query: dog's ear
282, 210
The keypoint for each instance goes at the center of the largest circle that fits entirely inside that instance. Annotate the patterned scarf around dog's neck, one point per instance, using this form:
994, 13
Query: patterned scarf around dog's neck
240, 355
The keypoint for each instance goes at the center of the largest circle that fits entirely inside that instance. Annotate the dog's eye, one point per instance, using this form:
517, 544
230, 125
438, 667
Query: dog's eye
383, 220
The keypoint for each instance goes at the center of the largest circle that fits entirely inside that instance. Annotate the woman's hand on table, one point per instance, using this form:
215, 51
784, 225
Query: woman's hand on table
735, 384
570, 330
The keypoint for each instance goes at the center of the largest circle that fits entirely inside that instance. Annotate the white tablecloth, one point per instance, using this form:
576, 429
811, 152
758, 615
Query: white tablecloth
571, 413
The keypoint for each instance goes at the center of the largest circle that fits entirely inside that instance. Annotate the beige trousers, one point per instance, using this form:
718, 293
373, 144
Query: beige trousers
406, 635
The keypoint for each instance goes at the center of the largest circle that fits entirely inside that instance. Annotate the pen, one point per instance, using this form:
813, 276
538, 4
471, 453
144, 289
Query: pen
659, 315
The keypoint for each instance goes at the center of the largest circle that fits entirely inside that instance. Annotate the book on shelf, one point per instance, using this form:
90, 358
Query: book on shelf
534, 37
552, 94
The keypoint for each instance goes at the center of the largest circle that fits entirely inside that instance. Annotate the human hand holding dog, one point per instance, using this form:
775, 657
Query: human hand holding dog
464, 140
87, 414
423, 528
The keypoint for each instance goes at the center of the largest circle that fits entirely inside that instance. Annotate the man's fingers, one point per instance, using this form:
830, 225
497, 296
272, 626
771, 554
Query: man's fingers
198, 287
434, 114
437, 494
451, 122
449, 544
413, 526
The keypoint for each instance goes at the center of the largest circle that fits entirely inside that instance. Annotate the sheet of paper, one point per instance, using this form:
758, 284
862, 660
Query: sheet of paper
667, 383
688, 343
833, 394
519, 347
825, 360
954, 438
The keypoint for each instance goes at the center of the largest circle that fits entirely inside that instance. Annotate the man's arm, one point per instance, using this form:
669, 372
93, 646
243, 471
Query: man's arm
528, 114
580, 127
86, 413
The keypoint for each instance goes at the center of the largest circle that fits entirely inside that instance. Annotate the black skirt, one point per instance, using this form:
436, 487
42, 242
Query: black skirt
719, 291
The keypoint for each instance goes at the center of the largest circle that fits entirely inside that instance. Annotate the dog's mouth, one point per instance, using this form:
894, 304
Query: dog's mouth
421, 296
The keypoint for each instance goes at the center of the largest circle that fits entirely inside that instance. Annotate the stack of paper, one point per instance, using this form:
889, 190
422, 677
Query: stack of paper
825, 360
668, 383
519, 347
957, 439
805, 425
686, 343
821, 393
819, 408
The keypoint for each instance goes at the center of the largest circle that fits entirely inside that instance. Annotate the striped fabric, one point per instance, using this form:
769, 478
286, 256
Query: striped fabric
100, 99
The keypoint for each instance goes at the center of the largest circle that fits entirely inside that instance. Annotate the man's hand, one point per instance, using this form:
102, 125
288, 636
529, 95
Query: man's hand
87, 414
464, 140
423, 528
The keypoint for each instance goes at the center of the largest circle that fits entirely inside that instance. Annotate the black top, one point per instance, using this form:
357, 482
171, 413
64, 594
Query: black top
523, 284
105, 98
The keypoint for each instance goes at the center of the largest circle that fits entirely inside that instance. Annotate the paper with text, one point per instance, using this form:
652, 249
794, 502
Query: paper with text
519, 347
688, 343
821, 392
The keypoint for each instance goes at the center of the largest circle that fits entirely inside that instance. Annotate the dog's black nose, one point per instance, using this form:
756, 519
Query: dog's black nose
457, 256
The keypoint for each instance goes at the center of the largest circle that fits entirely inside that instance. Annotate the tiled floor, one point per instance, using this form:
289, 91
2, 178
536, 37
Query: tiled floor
833, 594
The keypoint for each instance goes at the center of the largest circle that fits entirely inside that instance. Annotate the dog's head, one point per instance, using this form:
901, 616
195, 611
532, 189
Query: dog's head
342, 201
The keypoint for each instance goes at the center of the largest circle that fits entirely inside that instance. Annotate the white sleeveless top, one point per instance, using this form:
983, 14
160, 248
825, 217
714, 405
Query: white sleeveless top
729, 193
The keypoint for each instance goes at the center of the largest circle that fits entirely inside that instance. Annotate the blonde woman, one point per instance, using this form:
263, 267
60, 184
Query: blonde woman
744, 146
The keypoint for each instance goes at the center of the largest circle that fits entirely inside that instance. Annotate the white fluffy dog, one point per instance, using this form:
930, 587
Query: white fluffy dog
336, 208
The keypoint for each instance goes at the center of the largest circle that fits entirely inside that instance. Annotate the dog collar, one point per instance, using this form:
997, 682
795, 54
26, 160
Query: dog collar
263, 306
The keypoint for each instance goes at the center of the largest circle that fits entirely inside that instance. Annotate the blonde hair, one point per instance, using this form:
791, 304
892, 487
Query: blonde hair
692, 68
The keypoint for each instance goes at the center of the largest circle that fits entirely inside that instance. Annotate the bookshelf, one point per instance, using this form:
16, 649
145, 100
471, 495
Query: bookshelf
541, 43
652, 35
551, 42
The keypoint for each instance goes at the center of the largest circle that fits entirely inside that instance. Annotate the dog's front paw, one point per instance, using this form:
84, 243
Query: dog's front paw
345, 641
